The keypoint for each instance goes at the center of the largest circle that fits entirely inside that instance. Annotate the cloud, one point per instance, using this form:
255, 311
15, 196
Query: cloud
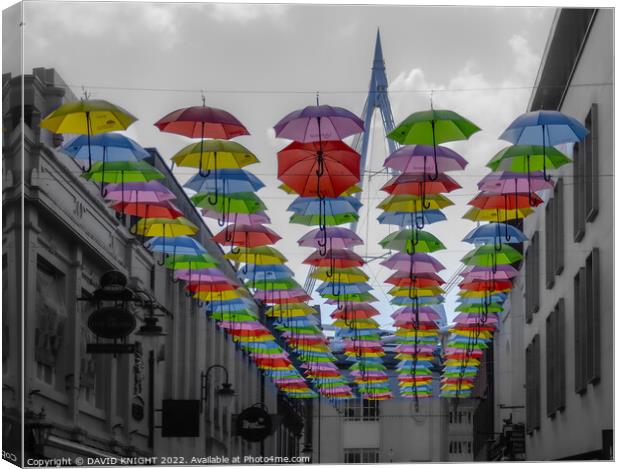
245, 13
526, 62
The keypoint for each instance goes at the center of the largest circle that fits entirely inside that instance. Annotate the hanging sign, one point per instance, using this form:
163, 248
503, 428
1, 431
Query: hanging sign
254, 424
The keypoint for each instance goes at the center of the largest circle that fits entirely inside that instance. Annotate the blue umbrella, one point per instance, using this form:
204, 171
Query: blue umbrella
230, 181
495, 298
175, 245
421, 300
545, 128
492, 233
338, 288
403, 219
333, 206
106, 147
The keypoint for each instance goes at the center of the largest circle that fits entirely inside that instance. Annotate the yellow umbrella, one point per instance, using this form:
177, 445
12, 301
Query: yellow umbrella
406, 291
262, 255
214, 154
459, 362
496, 215
87, 117
225, 295
413, 333
356, 323
166, 227
414, 203
290, 310
345, 275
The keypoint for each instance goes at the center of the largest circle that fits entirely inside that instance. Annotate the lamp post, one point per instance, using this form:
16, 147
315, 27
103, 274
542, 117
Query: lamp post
225, 393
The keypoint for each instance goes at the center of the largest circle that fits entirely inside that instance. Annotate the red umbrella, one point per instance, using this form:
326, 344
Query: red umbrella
486, 285
211, 286
303, 166
246, 235
488, 201
200, 122
419, 184
163, 209
418, 281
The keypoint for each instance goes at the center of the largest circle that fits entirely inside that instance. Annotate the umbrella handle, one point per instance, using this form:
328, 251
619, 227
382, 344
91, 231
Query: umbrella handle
436, 176
532, 201
236, 250
163, 259
90, 161
188, 294
244, 269
545, 177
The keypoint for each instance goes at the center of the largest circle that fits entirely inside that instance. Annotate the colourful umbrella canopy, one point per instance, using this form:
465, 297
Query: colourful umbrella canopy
319, 169
344, 275
246, 235
497, 215
326, 220
410, 241
191, 261
433, 128
164, 227
418, 184
339, 238
494, 233
241, 202
87, 117
105, 147
421, 262
316, 123
261, 255
138, 192
507, 182
419, 219
488, 255
486, 201
418, 159
164, 209
545, 128
227, 181
414, 203
201, 122
527, 158
213, 155
338, 258
259, 217
176, 246
122, 172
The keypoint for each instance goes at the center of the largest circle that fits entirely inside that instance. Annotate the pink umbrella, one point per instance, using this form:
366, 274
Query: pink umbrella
422, 309
318, 123
269, 355
136, 192
411, 348
409, 317
244, 218
339, 238
470, 319
247, 325
201, 275
506, 182
418, 262
419, 159
269, 295
202, 121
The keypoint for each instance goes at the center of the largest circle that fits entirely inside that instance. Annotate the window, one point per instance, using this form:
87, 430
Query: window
587, 324
586, 177
556, 367
532, 385
361, 455
361, 409
532, 274
554, 234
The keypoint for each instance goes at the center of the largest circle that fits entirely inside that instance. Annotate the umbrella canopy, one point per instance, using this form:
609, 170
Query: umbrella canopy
319, 169
338, 258
497, 214
139, 192
246, 235
164, 209
318, 123
230, 180
201, 122
418, 159
241, 202
190, 261
433, 128
261, 255
494, 232
402, 219
418, 184
339, 238
122, 172
545, 128
212, 155
414, 203
507, 182
411, 240
259, 217
87, 117
421, 262
105, 147
164, 227
488, 255
176, 246
527, 158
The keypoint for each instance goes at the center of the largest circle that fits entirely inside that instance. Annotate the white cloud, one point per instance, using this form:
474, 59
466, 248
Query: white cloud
245, 13
526, 62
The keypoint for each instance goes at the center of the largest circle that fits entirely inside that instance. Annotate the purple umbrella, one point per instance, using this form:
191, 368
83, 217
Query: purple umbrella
419, 262
469, 319
318, 123
506, 182
201, 275
339, 238
411, 316
257, 218
419, 159
412, 348
135, 192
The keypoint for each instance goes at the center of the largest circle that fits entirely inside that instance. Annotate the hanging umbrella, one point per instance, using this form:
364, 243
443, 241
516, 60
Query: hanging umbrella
411, 241
339, 238
105, 147
327, 220
230, 180
259, 217
420, 261
488, 256
87, 117
420, 279
495, 233
403, 219
202, 122
190, 260
502, 272
418, 159
241, 202
164, 209
318, 123
497, 215
261, 255
414, 203
433, 128
164, 227
138, 192
302, 167
176, 246
345, 275
545, 129
246, 235
416, 184
336, 258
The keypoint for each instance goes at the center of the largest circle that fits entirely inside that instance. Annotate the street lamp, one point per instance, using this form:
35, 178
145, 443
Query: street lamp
225, 393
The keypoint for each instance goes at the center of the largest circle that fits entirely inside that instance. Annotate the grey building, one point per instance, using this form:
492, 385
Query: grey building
59, 237
554, 347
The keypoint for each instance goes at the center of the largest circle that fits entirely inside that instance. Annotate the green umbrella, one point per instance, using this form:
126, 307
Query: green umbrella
186, 261
487, 255
355, 297
411, 241
240, 316
282, 284
479, 308
122, 171
527, 158
433, 128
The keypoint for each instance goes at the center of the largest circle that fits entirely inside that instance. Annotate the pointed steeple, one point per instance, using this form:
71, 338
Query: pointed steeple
378, 62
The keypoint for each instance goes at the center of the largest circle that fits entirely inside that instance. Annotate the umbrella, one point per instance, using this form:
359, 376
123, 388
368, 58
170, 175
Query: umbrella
202, 122
302, 167
419, 219
175, 246
433, 128
491, 233
416, 184
164, 227
497, 215
421, 262
259, 217
318, 123
190, 260
411, 240
246, 235
105, 147
241, 202
87, 117
138, 192
339, 238
502, 272
417, 159
489, 256
164, 209
414, 203
231, 180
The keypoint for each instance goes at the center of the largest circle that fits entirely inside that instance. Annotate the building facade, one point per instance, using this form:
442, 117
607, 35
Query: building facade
554, 347
60, 237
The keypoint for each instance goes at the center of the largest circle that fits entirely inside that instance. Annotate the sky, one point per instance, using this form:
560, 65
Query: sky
261, 62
